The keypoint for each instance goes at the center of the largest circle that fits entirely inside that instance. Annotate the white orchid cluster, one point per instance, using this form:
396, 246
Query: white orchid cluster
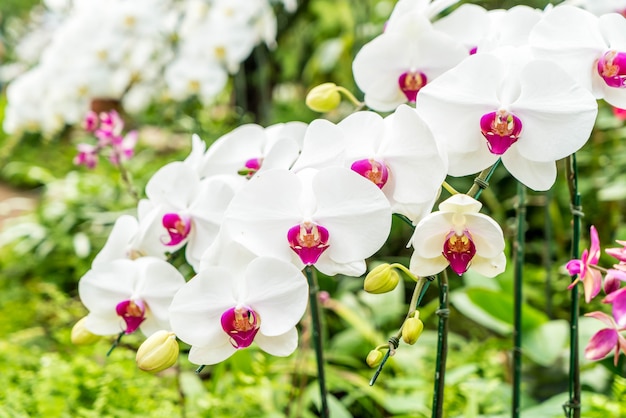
138, 51
518, 86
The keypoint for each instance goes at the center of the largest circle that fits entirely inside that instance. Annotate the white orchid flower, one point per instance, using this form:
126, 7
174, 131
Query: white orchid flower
459, 236
222, 310
331, 218
592, 49
398, 153
126, 295
504, 104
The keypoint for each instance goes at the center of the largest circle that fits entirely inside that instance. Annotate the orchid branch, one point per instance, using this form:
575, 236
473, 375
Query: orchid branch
517, 309
572, 407
317, 337
442, 345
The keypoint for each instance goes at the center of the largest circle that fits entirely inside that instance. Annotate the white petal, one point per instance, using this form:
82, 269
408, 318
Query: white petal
571, 37
323, 146
614, 96
175, 184
557, 114
331, 268
197, 308
461, 203
207, 355
115, 247
104, 324
157, 284
278, 292
355, 212
279, 345
468, 23
430, 234
282, 154
486, 234
423, 267
538, 176
613, 27
107, 284
262, 212
229, 153
364, 133
489, 267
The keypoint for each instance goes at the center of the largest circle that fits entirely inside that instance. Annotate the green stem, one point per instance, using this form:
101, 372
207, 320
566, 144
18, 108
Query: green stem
416, 299
572, 407
317, 338
517, 306
115, 343
482, 181
442, 345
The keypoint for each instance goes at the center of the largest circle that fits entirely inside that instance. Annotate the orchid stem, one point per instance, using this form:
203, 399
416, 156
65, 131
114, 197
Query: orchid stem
572, 407
449, 188
126, 180
317, 338
416, 299
482, 181
442, 345
350, 97
115, 343
517, 305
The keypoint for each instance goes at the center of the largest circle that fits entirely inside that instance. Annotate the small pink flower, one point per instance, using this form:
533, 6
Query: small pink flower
607, 339
591, 278
87, 155
91, 121
618, 253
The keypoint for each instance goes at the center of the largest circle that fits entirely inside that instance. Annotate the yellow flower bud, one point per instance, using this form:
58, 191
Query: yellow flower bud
374, 358
323, 98
81, 335
412, 329
158, 352
382, 279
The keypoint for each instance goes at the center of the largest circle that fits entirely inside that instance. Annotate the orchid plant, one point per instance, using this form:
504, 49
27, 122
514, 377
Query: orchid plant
263, 208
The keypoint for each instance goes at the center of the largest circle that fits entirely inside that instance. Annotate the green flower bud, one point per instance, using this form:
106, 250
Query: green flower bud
323, 98
381, 279
374, 358
158, 352
412, 329
81, 335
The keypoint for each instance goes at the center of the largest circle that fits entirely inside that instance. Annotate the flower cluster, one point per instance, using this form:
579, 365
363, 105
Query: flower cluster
138, 52
108, 128
595, 278
262, 204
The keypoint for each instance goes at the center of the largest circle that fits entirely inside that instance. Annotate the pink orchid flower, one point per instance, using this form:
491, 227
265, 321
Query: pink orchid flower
591, 278
608, 339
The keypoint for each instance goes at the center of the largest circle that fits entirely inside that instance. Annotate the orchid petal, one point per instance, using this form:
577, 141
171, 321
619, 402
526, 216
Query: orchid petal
601, 344
158, 282
197, 308
278, 292
592, 284
216, 353
107, 284
423, 267
115, 247
229, 152
486, 234
489, 267
175, 184
538, 176
430, 234
355, 212
601, 316
557, 113
278, 345
323, 146
618, 300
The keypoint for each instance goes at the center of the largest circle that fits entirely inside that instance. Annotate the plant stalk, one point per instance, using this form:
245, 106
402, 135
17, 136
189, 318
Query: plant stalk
517, 305
317, 338
572, 407
442, 345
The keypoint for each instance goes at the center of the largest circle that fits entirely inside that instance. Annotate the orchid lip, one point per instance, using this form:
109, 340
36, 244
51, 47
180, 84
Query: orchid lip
241, 324
410, 83
459, 250
309, 241
250, 167
501, 129
178, 228
612, 68
374, 170
133, 312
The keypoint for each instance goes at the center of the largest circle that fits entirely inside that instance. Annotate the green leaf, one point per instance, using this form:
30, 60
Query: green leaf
545, 344
464, 304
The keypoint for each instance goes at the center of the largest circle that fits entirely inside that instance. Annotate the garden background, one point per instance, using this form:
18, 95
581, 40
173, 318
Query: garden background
55, 217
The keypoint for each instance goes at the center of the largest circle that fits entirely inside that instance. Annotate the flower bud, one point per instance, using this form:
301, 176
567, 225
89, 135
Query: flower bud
381, 279
81, 335
158, 352
412, 329
374, 358
323, 98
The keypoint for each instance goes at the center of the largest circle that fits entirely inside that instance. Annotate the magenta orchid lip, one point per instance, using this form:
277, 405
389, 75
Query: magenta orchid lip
410, 83
501, 129
309, 241
241, 324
